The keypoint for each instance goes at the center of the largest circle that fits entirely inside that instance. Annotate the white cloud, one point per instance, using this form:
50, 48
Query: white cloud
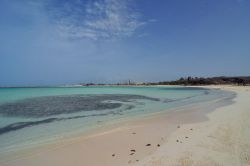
99, 19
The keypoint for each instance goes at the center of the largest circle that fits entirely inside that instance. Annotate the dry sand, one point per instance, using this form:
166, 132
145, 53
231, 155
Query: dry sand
191, 137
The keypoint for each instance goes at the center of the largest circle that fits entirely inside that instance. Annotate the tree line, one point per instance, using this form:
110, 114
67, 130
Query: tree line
207, 81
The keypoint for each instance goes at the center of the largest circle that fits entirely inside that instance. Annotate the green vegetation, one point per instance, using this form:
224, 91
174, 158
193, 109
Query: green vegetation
208, 81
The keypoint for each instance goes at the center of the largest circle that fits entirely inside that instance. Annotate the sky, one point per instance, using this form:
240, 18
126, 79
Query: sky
49, 42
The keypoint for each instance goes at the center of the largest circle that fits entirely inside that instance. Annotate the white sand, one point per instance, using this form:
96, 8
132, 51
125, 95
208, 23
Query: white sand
221, 137
222, 140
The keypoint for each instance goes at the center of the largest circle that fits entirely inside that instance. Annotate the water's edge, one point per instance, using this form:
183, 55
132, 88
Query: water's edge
203, 107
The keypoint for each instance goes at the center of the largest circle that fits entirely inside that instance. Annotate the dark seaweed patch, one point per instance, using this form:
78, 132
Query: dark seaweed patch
21, 125
55, 105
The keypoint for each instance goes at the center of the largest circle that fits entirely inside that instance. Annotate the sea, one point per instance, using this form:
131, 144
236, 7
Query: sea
31, 117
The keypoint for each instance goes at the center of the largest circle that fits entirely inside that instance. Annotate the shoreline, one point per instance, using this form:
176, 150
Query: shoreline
117, 140
221, 140
94, 127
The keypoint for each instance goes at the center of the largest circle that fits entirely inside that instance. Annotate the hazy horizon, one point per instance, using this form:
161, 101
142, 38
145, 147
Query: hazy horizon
55, 42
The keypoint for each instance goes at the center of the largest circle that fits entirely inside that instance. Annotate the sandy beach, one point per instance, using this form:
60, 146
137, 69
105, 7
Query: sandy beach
208, 134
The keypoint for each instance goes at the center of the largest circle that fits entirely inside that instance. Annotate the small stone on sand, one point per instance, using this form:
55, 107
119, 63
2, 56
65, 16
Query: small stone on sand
133, 150
113, 155
158, 145
148, 145
132, 154
177, 140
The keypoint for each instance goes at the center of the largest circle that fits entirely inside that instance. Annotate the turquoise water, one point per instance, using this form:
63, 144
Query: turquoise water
33, 116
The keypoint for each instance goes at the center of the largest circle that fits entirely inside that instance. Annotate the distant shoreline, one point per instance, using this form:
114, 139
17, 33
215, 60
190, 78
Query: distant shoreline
114, 85
188, 81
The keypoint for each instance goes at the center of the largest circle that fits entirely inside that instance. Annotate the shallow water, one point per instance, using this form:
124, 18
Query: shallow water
32, 116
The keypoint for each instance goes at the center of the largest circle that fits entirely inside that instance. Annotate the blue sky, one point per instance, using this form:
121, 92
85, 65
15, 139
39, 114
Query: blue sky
64, 41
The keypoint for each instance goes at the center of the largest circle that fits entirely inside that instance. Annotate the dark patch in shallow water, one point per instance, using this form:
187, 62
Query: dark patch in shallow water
206, 92
21, 125
54, 105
